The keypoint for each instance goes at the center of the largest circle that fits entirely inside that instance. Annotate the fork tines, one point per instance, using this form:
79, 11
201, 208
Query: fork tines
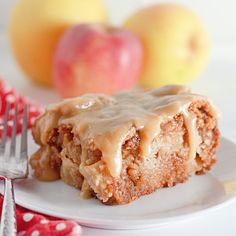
22, 157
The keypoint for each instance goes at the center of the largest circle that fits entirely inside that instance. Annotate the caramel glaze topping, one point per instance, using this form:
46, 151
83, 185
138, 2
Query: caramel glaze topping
107, 120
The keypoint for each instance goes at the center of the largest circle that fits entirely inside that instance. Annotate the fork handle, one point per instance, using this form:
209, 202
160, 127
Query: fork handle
8, 219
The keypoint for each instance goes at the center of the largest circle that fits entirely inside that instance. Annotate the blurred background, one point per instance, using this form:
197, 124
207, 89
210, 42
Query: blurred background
218, 15
217, 80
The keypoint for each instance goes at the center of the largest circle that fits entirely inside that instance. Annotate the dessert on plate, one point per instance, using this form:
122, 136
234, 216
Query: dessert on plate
121, 147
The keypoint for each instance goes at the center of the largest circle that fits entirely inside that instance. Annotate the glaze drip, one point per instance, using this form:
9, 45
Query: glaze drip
108, 120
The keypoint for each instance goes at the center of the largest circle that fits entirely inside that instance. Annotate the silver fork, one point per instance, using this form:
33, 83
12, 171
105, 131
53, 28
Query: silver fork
12, 167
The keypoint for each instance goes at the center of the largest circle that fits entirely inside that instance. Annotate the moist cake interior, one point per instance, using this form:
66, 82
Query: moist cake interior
121, 147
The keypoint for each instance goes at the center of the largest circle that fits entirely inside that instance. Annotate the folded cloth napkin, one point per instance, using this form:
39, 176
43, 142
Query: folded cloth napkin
33, 224
30, 223
8, 94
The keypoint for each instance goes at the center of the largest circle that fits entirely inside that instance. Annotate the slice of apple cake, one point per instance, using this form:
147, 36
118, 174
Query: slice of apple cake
121, 147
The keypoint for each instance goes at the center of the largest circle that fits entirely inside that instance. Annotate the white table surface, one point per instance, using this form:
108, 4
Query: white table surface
218, 82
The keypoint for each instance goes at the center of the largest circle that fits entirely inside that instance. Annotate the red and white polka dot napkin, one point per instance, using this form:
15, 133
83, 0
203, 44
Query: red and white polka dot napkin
33, 224
8, 94
30, 223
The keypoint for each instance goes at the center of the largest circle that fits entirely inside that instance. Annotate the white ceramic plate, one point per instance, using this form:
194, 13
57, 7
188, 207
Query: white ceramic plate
198, 195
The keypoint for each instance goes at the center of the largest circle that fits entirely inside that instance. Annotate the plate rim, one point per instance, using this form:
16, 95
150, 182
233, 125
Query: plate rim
139, 224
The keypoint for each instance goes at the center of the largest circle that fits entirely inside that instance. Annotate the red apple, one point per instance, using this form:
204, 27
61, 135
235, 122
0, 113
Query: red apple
96, 58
